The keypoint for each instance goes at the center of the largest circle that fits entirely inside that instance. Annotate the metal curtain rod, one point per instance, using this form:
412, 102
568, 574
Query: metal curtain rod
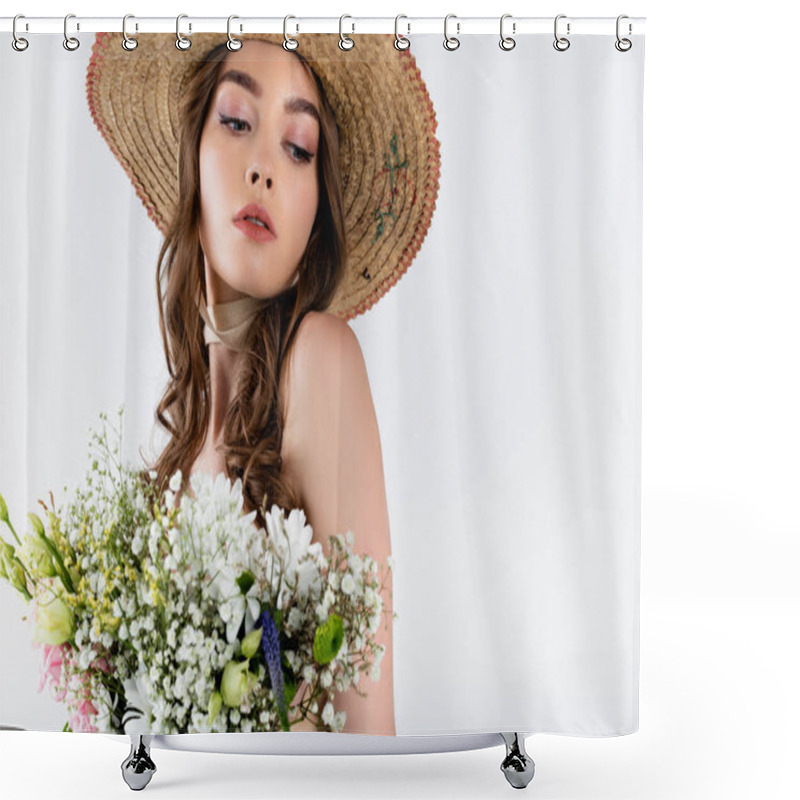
407, 25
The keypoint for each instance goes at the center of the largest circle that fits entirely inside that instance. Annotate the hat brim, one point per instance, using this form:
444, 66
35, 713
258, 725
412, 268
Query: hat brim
389, 154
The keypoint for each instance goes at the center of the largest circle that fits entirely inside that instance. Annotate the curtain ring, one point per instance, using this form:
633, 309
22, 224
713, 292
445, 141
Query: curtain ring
288, 42
451, 42
623, 45
70, 42
561, 43
233, 44
507, 42
18, 43
345, 42
401, 42
128, 42
182, 43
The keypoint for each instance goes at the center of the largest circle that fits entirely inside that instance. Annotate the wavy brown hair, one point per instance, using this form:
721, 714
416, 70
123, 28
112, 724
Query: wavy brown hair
254, 420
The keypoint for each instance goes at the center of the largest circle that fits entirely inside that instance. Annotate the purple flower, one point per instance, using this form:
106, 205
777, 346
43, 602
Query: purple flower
272, 655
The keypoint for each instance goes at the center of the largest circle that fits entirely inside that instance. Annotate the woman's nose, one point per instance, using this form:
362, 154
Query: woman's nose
256, 174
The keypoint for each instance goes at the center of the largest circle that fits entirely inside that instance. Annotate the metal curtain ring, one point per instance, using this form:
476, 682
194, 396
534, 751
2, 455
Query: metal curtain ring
623, 45
401, 42
561, 43
507, 42
182, 43
451, 42
70, 42
128, 42
233, 44
18, 43
345, 42
288, 42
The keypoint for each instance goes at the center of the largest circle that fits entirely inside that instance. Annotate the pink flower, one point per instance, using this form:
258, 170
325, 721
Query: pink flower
102, 664
80, 722
51, 666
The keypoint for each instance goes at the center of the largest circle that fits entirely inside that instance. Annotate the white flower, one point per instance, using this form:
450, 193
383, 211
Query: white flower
175, 481
348, 584
137, 695
327, 713
295, 618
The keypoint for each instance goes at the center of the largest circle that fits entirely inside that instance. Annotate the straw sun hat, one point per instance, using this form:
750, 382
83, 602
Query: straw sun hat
389, 154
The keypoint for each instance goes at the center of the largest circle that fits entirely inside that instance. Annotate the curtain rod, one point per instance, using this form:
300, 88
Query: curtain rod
457, 26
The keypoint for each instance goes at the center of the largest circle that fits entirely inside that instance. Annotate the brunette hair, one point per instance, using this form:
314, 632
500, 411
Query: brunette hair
254, 421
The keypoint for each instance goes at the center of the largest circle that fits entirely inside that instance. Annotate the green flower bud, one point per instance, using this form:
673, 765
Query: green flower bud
234, 683
38, 525
251, 642
214, 706
6, 558
5, 518
328, 638
35, 554
17, 577
54, 622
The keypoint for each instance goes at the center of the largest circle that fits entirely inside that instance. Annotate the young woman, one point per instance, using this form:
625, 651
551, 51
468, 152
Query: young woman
273, 387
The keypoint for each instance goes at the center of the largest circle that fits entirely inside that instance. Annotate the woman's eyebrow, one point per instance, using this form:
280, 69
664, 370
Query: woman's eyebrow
299, 105
243, 79
294, 105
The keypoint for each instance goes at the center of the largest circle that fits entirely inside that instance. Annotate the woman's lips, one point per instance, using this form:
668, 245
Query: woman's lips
254, 231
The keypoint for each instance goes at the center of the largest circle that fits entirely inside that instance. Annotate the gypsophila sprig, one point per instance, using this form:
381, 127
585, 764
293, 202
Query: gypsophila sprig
177, 614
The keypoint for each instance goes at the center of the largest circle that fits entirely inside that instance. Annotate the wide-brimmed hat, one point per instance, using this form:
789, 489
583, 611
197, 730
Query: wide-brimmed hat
389, 153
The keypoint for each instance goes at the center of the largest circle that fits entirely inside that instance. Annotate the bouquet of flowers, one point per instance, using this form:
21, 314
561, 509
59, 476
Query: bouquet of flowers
157, 617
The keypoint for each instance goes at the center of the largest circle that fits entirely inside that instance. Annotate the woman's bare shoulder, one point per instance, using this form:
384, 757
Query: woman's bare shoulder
319, 328
324, 343
326, 384
325, 353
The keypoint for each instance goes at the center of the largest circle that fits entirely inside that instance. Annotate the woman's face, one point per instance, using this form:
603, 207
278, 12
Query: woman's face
258, 156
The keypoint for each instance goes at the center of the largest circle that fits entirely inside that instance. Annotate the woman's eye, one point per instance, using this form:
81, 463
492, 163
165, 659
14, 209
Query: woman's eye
300, 154
233, 122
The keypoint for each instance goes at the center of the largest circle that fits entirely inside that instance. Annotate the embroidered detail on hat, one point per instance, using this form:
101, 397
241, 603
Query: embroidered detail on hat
391, 165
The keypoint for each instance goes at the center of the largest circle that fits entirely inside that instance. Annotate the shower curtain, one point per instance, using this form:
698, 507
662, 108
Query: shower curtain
499, 359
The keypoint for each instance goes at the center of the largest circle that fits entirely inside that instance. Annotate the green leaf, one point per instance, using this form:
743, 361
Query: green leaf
289, 686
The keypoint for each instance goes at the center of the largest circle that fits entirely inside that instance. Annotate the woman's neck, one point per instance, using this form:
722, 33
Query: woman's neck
224, 365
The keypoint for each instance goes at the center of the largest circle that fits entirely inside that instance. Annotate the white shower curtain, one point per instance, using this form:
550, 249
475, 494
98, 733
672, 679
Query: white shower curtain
505, 370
